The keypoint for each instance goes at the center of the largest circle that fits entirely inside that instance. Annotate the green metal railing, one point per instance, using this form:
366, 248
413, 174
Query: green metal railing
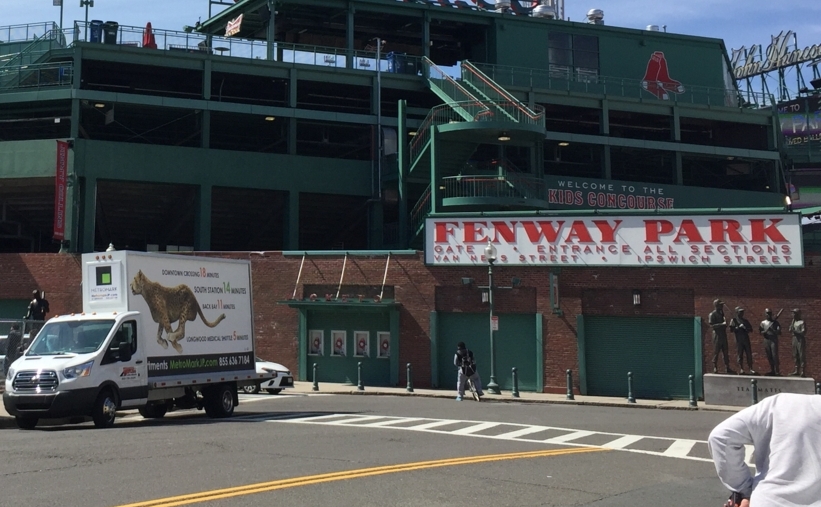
506, 186
457, 96
420, 211
31, 51
471, 74
36, 76
620, 87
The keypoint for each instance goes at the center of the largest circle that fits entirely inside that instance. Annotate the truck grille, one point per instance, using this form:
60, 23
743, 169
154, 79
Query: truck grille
36, 381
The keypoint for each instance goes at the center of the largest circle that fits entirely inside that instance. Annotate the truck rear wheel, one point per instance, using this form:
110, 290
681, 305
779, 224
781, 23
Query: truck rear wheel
274, 391
105, 410
154, 410
219, 401
26, 423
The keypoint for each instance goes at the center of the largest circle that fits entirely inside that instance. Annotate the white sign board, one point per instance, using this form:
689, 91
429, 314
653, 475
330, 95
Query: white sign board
765, 240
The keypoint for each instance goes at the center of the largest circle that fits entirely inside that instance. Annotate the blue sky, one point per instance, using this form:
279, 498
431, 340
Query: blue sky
738, 23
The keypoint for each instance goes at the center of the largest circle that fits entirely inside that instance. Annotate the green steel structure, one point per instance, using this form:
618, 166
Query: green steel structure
341, 124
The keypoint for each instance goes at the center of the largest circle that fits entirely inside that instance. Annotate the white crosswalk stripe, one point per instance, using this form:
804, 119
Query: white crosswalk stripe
688, 449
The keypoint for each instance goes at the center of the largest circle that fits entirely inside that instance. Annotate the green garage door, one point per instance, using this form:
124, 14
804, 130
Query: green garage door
516, 345
659, 351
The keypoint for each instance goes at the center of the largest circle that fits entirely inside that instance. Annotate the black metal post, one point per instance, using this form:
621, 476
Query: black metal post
410, 382
359, 385
693, 402
754, 389
818, 388
515, 391
570, 385
492, 386
316, 382
630, 398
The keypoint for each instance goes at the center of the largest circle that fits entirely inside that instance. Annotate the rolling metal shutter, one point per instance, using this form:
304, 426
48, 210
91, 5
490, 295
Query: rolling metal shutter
659, 351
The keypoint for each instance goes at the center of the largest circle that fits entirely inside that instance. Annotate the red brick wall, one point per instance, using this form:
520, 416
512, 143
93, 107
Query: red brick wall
421, 290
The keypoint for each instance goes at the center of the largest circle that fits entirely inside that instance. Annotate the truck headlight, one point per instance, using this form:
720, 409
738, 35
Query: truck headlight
10, 374
81, 370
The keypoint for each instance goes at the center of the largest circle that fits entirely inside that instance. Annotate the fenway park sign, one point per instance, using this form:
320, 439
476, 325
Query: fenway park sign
650, 240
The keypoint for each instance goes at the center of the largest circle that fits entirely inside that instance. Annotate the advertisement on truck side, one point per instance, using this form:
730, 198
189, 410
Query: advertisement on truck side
196, 313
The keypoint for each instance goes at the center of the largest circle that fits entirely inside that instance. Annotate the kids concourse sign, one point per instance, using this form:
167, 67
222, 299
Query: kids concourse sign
772, 240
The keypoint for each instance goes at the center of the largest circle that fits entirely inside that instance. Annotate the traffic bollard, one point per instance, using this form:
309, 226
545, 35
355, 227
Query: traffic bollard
570, 385
359, 385
630, 398
693, 402
316, 382
754, 389
410, 382
515, 391
818, 388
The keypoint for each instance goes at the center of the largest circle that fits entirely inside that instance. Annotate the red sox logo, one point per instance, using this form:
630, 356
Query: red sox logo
657, 79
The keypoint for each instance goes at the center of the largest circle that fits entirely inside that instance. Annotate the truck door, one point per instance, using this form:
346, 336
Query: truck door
125, 360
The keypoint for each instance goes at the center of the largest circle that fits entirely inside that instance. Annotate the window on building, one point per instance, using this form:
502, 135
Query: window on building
573, 56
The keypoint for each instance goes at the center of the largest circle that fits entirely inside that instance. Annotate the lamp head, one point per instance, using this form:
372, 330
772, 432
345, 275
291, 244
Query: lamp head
490, 252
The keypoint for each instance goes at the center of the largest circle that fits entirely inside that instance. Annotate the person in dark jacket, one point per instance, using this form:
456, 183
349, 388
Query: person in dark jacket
38, 308
463, 360
14, 345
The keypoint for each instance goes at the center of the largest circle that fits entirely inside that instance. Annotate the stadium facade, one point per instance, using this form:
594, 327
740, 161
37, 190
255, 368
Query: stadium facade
363, 153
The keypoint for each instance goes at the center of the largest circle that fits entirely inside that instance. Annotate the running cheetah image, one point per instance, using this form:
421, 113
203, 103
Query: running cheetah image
168, 305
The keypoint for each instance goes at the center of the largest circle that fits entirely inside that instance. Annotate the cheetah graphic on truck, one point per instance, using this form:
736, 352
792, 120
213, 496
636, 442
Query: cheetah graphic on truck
168, 305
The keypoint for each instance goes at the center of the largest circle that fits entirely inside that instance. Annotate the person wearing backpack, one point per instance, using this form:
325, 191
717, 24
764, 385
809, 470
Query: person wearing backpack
463, 360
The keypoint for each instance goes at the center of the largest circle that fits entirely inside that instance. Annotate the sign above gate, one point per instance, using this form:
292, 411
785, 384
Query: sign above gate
771, 240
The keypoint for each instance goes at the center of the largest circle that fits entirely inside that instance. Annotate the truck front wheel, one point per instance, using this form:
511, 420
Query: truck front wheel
26, 423
105, 410
219, 401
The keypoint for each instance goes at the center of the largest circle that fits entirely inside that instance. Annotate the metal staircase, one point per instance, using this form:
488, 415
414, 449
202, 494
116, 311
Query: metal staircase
473, 99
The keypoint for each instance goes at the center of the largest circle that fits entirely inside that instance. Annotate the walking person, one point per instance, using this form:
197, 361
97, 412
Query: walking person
14, 347
742, 328
770, 329
463, 360
37, 310
784, 430
798, 328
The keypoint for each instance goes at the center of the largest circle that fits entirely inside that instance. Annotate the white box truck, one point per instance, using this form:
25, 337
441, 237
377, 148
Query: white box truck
157, 331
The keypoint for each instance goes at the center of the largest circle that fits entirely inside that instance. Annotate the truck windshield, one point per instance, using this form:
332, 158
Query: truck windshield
71, 337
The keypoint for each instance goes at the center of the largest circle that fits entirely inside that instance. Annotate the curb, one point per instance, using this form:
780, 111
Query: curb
9, 421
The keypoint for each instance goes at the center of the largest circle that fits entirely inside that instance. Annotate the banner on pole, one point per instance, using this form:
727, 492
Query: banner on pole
60, 184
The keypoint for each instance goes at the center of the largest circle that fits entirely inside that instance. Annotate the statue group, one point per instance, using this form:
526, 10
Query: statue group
769, 329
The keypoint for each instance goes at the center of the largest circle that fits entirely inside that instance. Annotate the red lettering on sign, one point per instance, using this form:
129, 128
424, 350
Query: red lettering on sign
472, 229
654, 228
689, 230
608, 232
718, 228
442, 231
579, 230
759, 232
507, 232
535, 230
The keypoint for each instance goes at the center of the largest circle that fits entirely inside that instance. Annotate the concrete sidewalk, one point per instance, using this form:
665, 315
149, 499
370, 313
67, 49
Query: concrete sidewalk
7, 421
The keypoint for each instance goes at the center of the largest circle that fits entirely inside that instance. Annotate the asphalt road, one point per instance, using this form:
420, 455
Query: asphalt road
343, 450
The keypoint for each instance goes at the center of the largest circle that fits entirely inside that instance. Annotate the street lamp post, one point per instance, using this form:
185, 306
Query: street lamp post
490, 255
86, 4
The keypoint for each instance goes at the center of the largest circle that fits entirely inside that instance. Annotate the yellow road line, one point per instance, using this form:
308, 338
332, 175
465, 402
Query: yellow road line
262, 487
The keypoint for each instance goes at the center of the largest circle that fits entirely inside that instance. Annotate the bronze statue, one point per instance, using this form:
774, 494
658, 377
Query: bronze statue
770, 329
742, 328
799, 342
718, 323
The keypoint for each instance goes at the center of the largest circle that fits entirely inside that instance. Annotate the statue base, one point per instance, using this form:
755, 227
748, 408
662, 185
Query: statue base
735, 390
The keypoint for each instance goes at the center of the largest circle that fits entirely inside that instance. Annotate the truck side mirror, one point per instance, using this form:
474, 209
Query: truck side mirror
125, 352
